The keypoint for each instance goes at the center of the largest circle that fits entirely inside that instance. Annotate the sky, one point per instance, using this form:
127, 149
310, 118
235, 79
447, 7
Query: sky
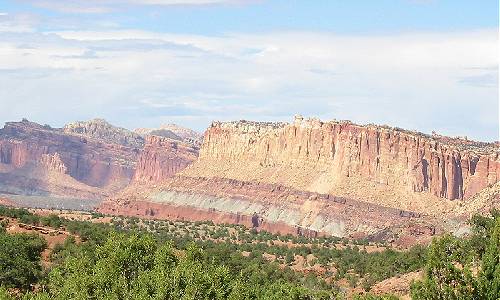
426, 65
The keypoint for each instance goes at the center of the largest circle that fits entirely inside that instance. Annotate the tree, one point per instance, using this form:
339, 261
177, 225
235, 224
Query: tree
20, 259
446, 274
451, 262
490, 270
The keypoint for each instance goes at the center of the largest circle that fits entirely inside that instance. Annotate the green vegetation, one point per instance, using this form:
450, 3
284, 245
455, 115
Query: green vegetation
20, 260
131, 258
137, 267
464, 268
351, 261
116, 262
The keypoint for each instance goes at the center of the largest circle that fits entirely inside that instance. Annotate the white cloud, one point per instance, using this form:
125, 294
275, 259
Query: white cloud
87, 7
17, 22
104, 6
136, 78
178, 2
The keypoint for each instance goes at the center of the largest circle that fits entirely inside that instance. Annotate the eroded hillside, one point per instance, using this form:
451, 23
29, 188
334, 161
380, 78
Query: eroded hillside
83, 160
313, 177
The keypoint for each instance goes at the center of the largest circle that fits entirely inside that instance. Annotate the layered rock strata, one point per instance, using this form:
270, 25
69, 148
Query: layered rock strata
343, 158
162, 158
334, 178
281, 209
37, 159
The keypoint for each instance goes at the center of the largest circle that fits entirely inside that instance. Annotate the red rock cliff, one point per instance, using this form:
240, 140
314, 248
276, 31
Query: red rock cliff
26, 147
162, 158
345, 158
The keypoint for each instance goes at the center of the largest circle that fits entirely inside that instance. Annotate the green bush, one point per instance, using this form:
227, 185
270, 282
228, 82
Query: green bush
20, 260
449, 272
137, 267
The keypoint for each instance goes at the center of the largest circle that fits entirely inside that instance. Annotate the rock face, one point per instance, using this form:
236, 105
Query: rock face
336, 157
314, 177
101, 130
84, 160
53, 162
279, 209
162, 158
34, 159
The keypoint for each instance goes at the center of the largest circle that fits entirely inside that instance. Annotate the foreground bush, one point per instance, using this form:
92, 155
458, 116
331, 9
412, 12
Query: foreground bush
137, 267
20, 260
464, 268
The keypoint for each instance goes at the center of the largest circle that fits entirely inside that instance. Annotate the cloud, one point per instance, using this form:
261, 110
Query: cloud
22, 22
135, 78
483, 80
73, 7
180, 2
105, 6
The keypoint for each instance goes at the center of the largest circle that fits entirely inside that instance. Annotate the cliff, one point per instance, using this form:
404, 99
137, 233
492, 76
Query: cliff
53, 162
312, 177
162, 158
370, 162
37, 159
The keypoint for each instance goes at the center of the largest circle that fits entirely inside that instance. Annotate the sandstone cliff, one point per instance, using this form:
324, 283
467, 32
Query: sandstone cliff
380, 164
53, 162
162, 158
37, 159
318, 177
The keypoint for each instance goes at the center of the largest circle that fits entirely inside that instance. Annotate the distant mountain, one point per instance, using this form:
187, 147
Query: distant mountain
102, 130
166, 133
173, 131
183, 132
83, 160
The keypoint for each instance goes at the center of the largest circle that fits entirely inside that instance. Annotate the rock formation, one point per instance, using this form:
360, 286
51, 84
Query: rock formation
53, 162
162, 158
174, 132
334, 178
32, 157
335, 156
279, 208
101, 130
84, 160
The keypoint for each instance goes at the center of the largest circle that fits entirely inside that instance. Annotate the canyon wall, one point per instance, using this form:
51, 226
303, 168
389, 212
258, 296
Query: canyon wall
85, 160
334, 178
280, 208
162, 158
32, 155
367, 162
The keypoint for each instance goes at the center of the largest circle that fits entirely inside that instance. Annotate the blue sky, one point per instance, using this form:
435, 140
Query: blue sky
419, 64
